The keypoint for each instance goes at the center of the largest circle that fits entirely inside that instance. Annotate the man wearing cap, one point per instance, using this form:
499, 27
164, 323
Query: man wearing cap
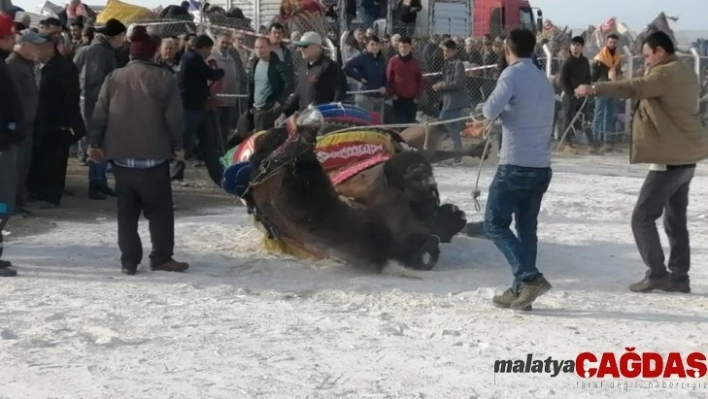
319, 80
95, 62
11, 119
58, 124
21, 64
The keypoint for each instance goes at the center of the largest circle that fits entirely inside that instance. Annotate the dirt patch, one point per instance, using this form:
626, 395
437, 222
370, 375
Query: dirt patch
192, 198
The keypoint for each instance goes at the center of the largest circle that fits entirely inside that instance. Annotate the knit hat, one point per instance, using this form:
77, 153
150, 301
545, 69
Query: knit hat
113, 27
142, 45
7, 25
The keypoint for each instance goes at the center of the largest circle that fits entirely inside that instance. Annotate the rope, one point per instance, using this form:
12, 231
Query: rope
476, 193
406, 125
572, 122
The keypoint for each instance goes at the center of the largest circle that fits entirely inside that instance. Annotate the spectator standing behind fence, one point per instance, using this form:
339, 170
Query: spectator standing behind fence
407, 14
21, 66
404, 82
320, 80
193, 77
11, 131
94, 63
606, 67
454, 94
167, 56
138, 126
58, 124
233, 71
668, 135
369, 69
524, 101
275, 35
270, 85
574, 72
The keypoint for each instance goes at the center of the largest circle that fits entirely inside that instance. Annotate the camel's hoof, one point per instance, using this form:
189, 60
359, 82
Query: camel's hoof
427, 256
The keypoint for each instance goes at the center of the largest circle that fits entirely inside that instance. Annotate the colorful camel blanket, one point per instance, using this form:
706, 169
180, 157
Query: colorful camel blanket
342, 155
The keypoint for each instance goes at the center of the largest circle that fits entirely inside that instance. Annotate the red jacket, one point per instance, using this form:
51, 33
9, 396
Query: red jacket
404, 78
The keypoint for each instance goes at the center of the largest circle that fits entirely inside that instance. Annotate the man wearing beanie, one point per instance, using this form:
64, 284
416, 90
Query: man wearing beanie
143, 133
95, 62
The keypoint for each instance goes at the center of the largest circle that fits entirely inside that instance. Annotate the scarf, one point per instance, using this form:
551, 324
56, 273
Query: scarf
74, 11
607, 58
406, 58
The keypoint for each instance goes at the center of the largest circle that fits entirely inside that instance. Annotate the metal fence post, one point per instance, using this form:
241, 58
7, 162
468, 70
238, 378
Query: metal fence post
628, 102
697, 66
549, 60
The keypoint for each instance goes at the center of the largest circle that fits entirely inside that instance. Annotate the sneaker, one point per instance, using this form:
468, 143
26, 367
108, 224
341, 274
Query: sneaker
529, 292
505, 300
682, 285
7, 272
650, 284
5, 263
170, 266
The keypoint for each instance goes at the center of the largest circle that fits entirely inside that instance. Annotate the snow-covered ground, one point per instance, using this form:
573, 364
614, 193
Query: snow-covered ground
242, 323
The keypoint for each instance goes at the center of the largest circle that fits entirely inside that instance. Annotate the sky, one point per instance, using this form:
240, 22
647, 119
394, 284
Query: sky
576, 14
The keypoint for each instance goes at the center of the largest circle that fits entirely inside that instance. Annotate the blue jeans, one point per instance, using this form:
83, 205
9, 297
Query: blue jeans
517, 191
605, 119
97, 172
453, 129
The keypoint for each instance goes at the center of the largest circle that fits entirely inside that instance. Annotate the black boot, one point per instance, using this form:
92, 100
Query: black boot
95, 192
106, 190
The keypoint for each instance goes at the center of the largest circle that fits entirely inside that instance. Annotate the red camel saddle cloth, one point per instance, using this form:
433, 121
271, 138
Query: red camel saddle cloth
344, 155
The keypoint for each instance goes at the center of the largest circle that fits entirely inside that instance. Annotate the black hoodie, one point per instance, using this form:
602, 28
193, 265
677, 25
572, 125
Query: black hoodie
11, 113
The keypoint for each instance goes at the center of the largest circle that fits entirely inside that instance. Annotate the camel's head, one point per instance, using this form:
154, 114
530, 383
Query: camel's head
307, 124
296, 138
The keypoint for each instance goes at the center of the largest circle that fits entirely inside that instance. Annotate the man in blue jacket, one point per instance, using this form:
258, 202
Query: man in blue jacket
192, 78
369, 69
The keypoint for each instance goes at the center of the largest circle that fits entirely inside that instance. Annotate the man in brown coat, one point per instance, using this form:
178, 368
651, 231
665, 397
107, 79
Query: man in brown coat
666, 133
141, 135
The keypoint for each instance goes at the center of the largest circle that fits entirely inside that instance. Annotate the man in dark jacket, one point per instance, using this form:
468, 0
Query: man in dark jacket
58, 124
369, 69
11, 118
192, 78
575, 71
319, 81
22, 69
275, 35
454, 94
270, 85
94, 63
141, 135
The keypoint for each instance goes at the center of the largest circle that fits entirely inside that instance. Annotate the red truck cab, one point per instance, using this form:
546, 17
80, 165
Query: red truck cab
497, 16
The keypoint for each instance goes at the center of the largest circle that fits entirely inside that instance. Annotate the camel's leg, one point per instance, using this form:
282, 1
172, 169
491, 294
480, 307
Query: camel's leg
474, 151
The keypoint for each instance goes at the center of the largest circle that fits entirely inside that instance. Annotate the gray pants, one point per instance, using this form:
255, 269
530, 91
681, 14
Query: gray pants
664, 192
8, 186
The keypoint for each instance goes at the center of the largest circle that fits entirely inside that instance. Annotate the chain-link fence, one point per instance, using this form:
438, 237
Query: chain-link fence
481, 57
